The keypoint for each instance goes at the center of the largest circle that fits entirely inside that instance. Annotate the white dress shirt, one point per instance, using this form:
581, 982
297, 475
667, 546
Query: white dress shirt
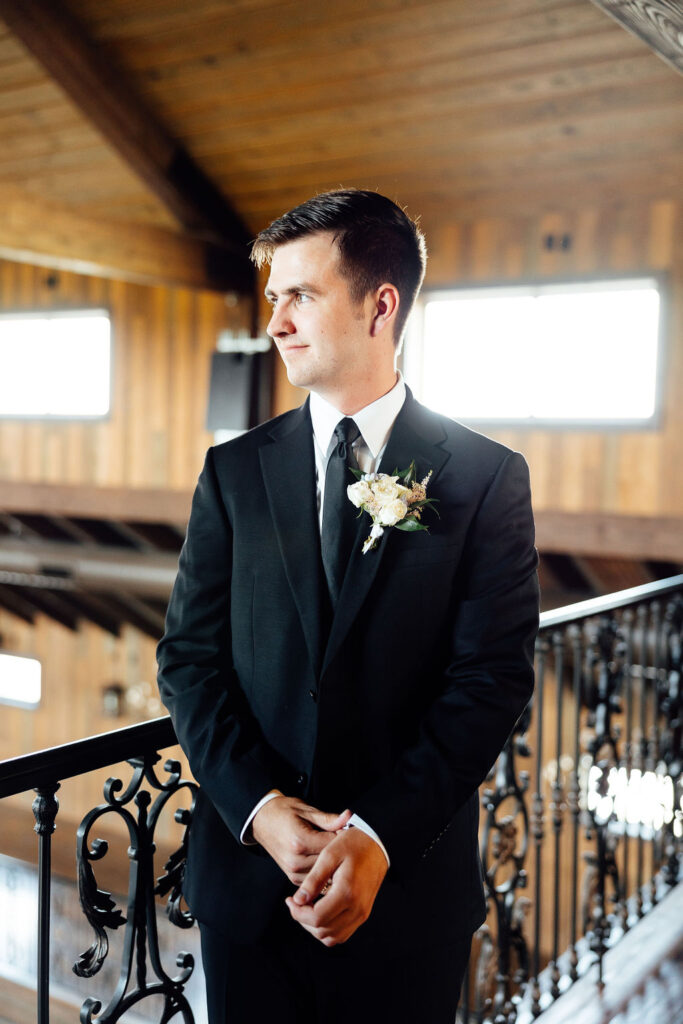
374, 422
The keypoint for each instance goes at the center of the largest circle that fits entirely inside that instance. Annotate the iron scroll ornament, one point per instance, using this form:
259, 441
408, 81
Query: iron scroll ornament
504, 964
141, 940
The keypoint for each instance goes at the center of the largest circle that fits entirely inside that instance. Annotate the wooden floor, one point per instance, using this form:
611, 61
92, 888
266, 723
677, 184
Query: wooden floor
643, 976
18, 1006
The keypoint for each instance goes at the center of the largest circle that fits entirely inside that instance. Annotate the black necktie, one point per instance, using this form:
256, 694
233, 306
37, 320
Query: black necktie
339, 515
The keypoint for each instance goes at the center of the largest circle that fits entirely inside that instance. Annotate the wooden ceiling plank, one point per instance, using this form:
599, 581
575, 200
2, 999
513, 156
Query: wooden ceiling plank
364, 37
658, 23
444, 82
183, 86
57, 40
451, 188
419, 120
297, 22
351, 149
35, 230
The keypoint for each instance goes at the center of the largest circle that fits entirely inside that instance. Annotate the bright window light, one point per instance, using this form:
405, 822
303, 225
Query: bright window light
19, 680
55, 364
577, 353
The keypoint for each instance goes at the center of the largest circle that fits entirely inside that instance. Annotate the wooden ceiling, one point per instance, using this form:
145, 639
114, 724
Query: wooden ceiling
455, 108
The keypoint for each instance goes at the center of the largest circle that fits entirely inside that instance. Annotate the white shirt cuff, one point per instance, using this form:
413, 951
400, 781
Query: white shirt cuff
248, 840
356, 822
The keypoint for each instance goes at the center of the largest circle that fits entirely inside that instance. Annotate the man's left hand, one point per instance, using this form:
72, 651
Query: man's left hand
356, 867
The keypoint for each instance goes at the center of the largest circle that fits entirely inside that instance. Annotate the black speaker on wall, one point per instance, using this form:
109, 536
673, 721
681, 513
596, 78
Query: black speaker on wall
238, 390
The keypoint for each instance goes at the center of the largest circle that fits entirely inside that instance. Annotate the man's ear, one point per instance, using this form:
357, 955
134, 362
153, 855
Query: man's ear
387, 301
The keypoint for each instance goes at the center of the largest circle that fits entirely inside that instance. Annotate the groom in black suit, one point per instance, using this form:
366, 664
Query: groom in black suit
340, 706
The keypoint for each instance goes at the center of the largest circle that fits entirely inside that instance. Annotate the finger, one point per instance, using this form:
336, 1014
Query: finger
327, 822
322, 914
339, 930
317, 878
310, 842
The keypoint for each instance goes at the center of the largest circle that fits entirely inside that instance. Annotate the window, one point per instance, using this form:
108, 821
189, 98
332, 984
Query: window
552, 354
19, 680
55, 364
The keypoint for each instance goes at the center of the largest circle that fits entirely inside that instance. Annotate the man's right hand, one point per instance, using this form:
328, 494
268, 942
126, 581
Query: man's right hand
294, 833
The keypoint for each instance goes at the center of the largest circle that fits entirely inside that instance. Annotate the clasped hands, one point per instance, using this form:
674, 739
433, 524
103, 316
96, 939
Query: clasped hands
313, 848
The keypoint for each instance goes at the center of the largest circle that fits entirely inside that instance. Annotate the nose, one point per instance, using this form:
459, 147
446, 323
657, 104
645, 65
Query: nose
280, 323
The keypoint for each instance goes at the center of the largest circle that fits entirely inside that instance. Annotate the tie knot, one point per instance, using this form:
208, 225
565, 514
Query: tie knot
346, 432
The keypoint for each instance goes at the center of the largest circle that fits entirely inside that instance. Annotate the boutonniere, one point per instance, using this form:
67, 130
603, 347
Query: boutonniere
395, 499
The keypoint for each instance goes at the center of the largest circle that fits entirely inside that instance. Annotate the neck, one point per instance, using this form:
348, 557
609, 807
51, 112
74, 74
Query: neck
352, 400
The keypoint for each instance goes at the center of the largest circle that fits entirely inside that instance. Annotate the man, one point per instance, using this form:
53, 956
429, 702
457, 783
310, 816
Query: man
339, 708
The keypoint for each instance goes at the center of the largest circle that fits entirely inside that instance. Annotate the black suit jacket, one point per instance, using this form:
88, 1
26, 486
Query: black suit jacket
396, 706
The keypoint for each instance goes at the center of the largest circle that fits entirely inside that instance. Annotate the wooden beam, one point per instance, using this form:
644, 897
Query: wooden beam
15, 605
134, 504
606, 535
95, 610
90, 567
100, 91
35, 230
50, 604
138, 612
659, 23
599, 534
608, 575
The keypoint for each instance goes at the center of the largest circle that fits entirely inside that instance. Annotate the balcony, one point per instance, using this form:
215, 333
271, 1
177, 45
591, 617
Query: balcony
582, 821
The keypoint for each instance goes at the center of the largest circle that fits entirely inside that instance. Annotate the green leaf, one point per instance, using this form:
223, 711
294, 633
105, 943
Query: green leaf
358, 473
410, 526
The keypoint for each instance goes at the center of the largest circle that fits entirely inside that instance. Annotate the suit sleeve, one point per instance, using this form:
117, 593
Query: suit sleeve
485, 686
227, 752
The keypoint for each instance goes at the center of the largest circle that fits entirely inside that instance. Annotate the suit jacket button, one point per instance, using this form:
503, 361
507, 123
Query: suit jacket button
313, 695
301, 780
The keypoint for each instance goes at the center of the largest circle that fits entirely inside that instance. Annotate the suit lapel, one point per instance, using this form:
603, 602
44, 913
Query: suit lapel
417, 434
288, 468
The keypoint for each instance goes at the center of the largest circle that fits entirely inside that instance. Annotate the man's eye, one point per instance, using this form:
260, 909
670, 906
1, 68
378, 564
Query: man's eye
301, 298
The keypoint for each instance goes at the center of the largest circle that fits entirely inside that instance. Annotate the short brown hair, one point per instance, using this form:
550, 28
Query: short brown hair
378, 243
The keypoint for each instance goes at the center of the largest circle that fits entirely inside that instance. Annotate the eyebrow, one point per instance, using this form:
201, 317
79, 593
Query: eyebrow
292, 290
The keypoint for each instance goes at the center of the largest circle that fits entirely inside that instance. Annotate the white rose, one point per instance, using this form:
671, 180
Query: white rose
388, 490
392, 512
360, 493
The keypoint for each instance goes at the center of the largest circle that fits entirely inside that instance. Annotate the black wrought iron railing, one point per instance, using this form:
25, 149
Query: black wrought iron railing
582, 820
583, 811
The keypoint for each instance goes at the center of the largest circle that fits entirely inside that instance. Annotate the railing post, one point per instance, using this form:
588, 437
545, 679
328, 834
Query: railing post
45, 807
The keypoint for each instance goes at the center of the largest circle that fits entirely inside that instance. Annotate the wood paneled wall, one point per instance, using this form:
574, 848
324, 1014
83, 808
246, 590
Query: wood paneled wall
162, 339
76, 667
633, 472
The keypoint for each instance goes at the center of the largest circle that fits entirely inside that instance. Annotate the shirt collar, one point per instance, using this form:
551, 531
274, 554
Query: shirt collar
374, 421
